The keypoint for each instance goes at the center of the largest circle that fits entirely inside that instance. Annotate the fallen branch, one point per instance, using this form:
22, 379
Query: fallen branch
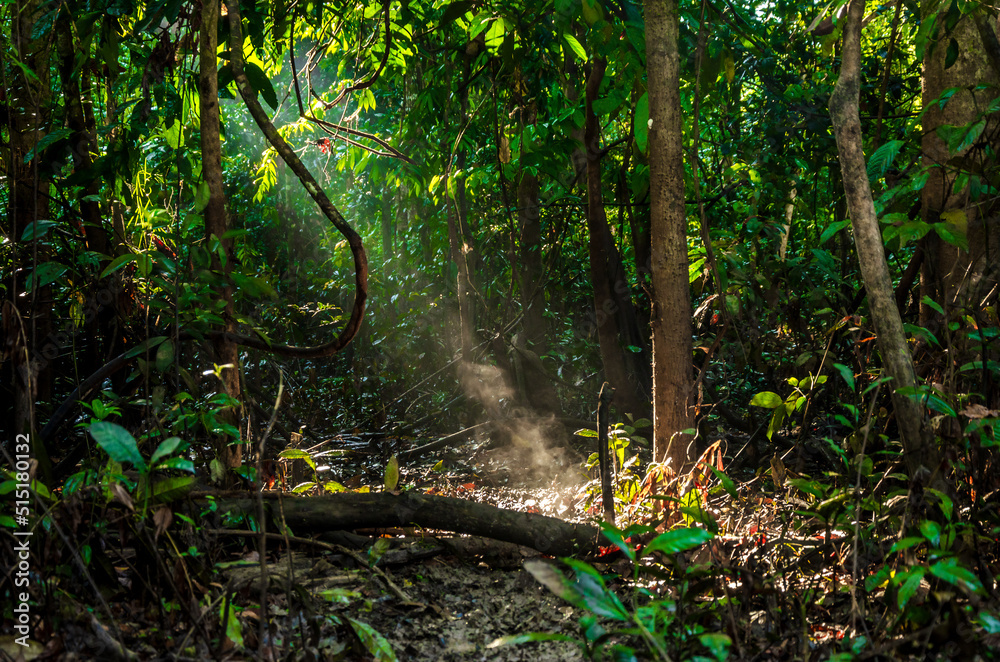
348, 511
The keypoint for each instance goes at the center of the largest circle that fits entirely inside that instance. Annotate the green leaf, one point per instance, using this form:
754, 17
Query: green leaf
846, 374
142, 348
928, 398
261, 84
234, 630
377, 551
697, 514
37, 229
947, 505
455, 11
164, 355
201, 197
678, 540
952, 54
392, 474
932, 304
45, 274
118, 263
615, 535
717, 643
586, 432
910, 586
931, 530
905, 543
293, 454
810, 487
777, 420
575, 46
767, 399
952, 236
47, 141
990, 623
495, 34
166, 448
833, 229
173, 488
118, 443
882, 159
587, 591
595, 594
178, 463
727, 482
949, 570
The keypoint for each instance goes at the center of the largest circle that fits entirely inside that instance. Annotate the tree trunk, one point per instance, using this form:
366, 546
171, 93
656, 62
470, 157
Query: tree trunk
216, 221
959, 279
460, 237
920, 454
80, 119
27, 311
346, 511
671, 315
612, 296
388, 225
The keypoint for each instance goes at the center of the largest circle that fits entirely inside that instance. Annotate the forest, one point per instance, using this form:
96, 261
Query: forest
499, 330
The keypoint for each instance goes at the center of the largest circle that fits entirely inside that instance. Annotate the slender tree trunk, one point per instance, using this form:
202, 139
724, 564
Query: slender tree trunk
460, 239
80, 119
387, 223
920, 454
787, 227
611, 290
671, 315
216, 219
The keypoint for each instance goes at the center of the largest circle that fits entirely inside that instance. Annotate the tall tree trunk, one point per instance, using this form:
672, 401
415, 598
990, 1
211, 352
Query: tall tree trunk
387, 224
960, 280
671, 315
216, 220
612, 296
80, 120
28, 310
920, 454
538, 391
460, 239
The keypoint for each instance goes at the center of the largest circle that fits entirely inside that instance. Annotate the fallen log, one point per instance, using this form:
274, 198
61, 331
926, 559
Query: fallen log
349, 510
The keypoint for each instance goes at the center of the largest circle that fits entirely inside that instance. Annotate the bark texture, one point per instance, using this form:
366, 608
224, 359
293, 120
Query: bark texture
614, 314
217, 221
920, 453
347, 511
962, 281
671, 298
27, 311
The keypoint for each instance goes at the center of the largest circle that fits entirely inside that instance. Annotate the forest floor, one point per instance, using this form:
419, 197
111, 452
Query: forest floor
792, 583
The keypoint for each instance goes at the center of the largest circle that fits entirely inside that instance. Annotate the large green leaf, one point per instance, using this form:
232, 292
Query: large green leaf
37, 229
261, 84
45, 274
118, 443
949, 570
575, 46
378, 646
678, 540
883, 157
767, 399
